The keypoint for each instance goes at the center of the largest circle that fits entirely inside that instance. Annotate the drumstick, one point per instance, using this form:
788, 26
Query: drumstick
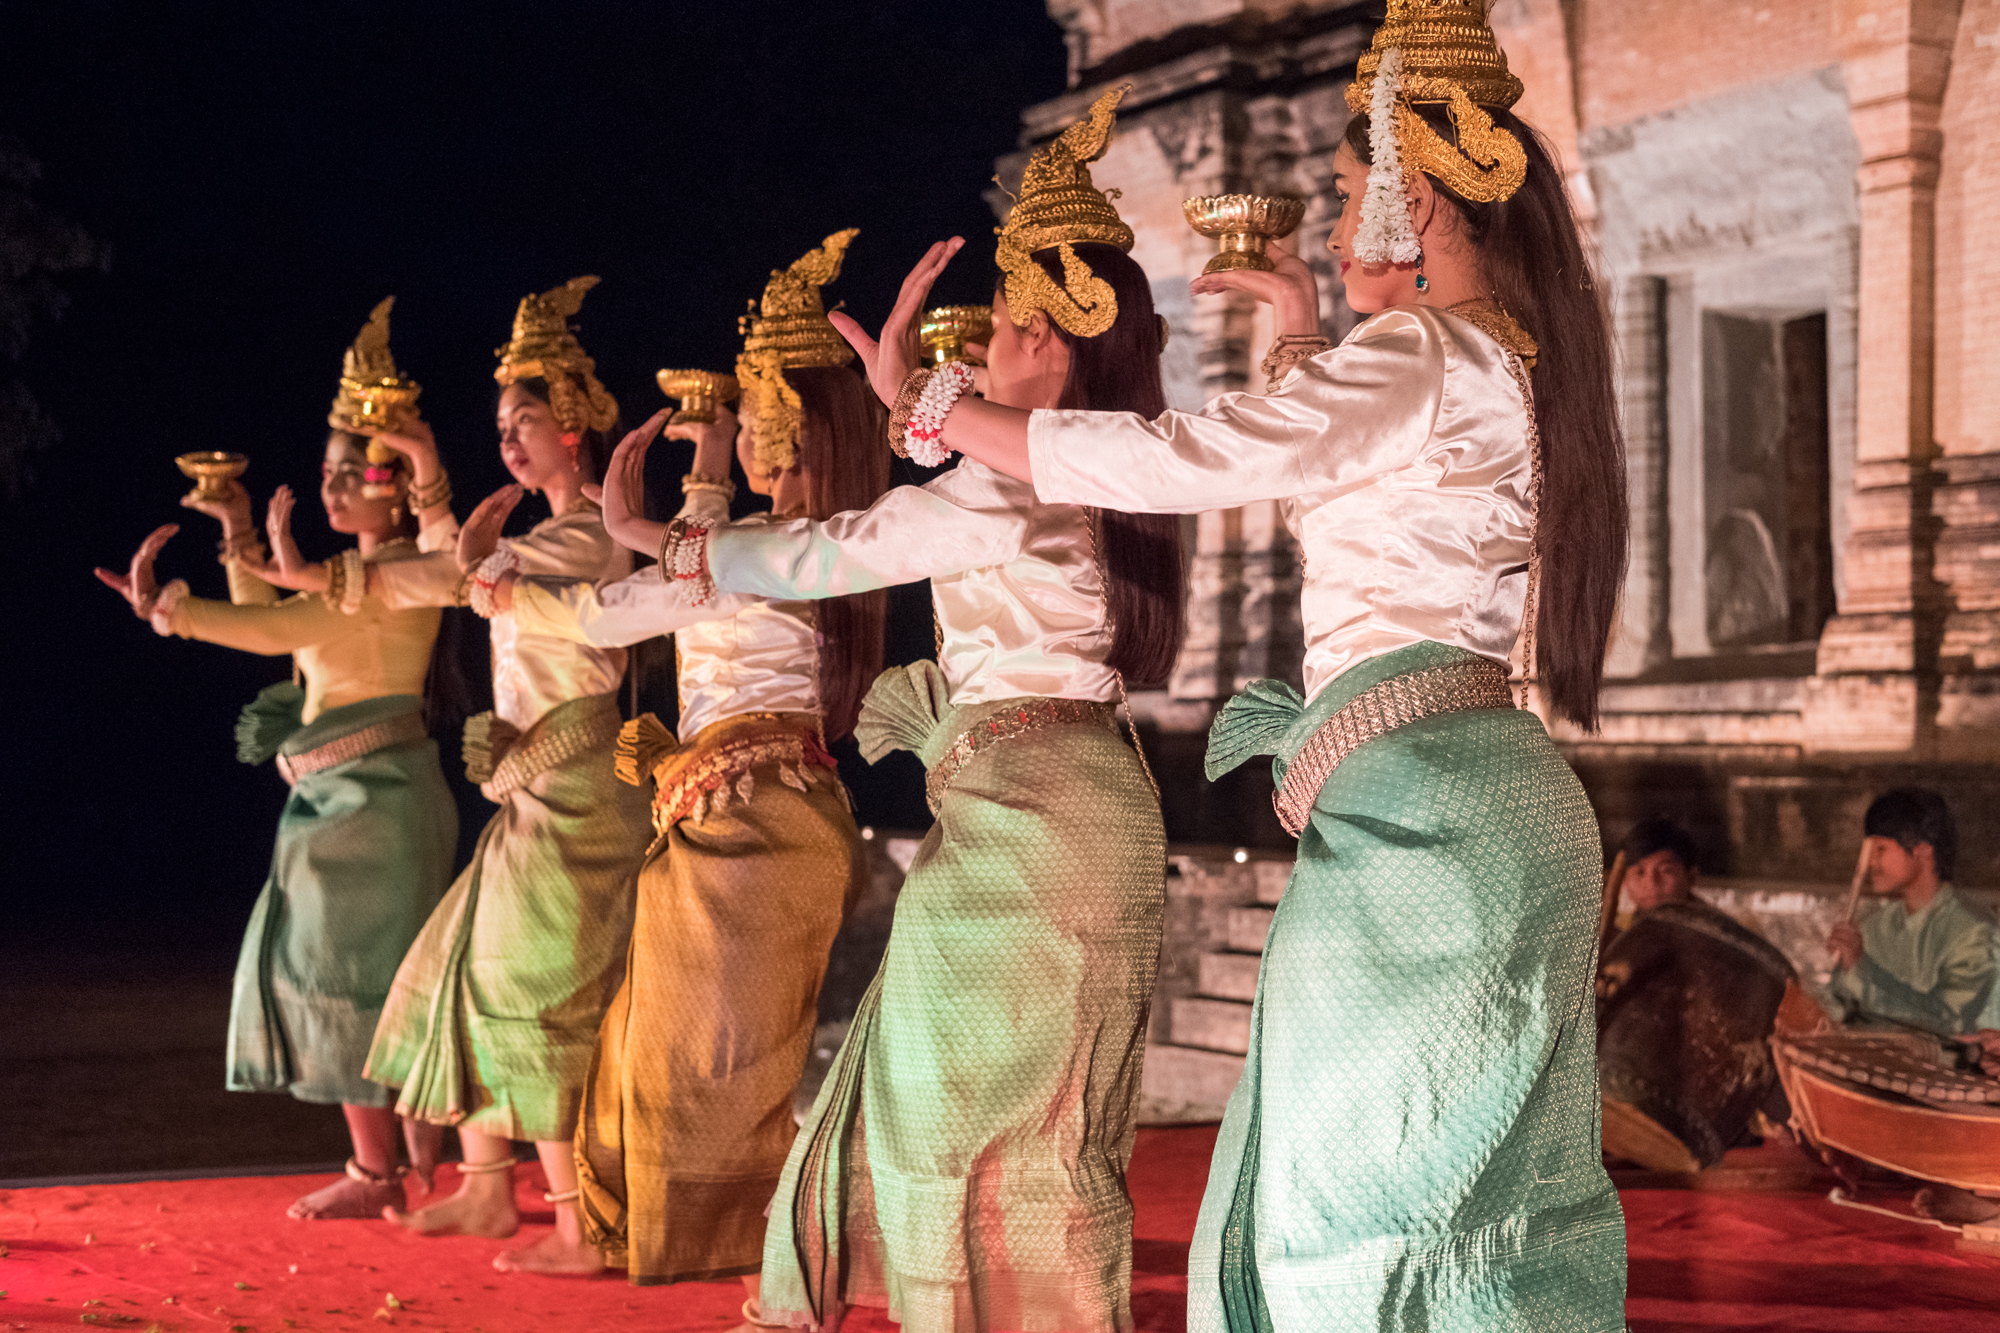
1860, 878
1607, 912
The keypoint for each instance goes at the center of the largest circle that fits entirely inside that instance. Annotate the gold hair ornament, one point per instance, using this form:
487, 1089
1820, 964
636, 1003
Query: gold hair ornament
1060, 207
788, 329
1435, 52
544, 347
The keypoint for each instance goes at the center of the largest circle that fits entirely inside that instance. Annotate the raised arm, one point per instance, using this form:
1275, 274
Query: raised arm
615, 615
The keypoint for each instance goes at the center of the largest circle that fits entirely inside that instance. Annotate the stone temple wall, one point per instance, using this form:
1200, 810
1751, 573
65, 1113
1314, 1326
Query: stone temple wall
1793, 209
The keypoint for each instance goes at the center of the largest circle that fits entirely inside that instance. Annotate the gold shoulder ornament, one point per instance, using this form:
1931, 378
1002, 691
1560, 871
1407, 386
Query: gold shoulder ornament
788, 328
544, 347
1433, 52
1061, 207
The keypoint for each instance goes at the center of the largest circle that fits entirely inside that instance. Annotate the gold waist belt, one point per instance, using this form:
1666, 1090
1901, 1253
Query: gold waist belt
990, 731
380, 736
592, 730
689, 782
1377, 711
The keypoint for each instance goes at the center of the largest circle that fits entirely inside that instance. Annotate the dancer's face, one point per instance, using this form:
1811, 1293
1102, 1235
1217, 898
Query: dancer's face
1026, 364
1370, 287
341, 475
531, 439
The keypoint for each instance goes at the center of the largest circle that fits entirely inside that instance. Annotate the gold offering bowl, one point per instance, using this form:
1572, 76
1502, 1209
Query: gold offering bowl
948, 328
1242, 223
211, 471
699, 392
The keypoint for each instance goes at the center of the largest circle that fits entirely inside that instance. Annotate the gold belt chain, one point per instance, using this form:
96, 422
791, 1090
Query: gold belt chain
984, 735
342, 749
1376, 711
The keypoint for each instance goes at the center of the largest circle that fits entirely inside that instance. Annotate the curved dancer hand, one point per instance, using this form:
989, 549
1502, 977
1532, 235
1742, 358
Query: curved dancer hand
137, 585
890, 359
480, 536
1290, 290
287, 568
624, 490
414, 441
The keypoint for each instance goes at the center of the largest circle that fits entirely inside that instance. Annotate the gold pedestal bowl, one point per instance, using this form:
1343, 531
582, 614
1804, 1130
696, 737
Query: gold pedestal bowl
1241, 224
948, 328
699, 392
211, 472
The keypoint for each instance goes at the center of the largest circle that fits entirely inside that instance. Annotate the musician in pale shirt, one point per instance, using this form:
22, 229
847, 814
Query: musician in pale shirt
1924, 957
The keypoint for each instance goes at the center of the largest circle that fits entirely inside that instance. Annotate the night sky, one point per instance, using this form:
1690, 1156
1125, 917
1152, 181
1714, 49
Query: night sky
262, 176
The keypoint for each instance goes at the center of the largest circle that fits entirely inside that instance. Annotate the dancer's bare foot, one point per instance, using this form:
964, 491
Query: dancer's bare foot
552, 1256
476, 1210
347, 1197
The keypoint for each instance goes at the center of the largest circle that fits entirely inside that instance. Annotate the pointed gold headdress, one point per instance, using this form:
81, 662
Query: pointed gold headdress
372, 395
789, 328
544, 348
1061, 207
1437, 52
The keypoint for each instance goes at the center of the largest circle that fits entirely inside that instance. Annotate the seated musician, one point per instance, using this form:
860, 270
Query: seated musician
1924, 958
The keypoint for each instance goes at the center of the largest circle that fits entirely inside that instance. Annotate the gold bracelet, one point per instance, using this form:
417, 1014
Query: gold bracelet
906, 403
1287, 350
431, 496
699, 481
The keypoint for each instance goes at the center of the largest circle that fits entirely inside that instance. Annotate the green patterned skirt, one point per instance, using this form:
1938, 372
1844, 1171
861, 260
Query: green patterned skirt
1414, 1142
964, 1165
363, 854
495, 1011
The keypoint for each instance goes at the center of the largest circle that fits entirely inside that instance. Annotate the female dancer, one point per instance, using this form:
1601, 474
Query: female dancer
367, 835
494, 1013
687, 1115
965, 1162
1413, 1143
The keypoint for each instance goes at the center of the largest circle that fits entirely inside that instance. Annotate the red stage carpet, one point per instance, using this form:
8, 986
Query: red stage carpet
220, 1255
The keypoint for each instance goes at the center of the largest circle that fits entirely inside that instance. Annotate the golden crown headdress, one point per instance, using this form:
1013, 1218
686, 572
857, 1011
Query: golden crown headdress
544, 347
373, 396
1060, 207
789, 328
1437, 52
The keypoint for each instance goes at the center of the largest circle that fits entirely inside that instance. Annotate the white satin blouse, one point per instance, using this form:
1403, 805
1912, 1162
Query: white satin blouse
1019, 600
532, 671
1401, 461
736, 654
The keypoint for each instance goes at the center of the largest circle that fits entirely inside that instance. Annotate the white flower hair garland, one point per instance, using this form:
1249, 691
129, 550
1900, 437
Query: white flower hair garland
1385, 235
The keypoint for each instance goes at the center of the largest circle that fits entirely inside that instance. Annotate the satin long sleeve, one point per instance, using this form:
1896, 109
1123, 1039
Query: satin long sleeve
616, 615
430, 579
1340, 420
962, 520
268, 630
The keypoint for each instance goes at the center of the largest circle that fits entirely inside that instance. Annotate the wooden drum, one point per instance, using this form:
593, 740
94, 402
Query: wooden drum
1686, 1002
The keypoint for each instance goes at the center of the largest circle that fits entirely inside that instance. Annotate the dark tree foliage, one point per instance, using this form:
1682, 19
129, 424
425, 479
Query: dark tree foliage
35, 246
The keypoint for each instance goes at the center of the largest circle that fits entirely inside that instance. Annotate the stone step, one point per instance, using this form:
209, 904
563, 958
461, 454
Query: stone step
1271, 879
1229, 976
1214, 1025
1184, 1084
1247, 928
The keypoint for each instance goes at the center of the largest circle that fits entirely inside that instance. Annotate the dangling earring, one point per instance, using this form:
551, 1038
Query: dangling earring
1423, 283
396, 513
572, 440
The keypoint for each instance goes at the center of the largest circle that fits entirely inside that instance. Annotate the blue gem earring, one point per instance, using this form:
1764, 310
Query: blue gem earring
1423, 283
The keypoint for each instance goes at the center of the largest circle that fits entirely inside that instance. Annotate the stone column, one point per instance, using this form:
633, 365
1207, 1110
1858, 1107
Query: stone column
1877, 667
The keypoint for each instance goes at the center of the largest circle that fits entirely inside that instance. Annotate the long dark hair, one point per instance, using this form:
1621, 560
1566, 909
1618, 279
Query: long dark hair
841, 432
1119, 371
593, 454
1532, 254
